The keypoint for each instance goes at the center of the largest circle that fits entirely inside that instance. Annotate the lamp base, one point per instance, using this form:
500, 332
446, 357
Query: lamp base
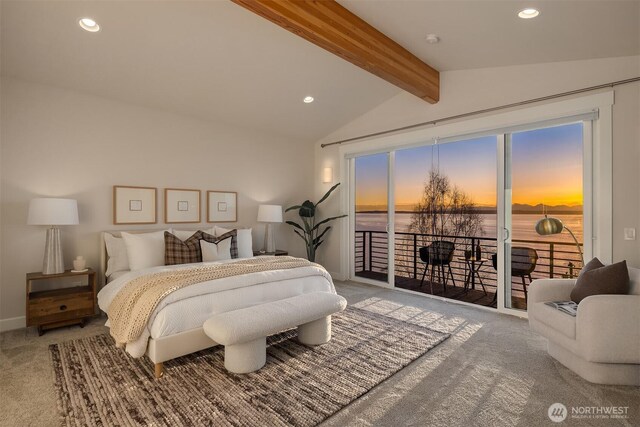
269, 239
53, 262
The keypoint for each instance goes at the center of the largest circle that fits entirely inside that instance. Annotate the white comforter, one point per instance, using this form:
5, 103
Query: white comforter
189, 307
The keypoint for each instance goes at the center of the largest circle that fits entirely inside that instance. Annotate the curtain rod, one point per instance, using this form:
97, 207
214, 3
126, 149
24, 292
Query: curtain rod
486, 110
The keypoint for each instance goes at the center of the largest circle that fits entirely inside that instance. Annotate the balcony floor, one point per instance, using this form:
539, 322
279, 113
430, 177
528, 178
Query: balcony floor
473, 296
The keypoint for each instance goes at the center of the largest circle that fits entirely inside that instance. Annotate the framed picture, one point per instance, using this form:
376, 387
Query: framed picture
222, 206
134, 205
181, 205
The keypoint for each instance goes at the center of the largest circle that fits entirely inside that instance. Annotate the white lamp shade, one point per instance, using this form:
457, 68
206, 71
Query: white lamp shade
270, 213
51, 211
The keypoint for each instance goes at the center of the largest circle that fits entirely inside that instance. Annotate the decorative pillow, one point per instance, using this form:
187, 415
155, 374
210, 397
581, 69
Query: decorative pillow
185, 234
216, 251
591, 265
178, 252
245, 241
144, 250
234, 241
117, 252
598, 279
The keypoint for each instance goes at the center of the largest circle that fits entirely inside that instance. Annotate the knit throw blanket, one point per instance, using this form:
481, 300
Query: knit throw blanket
134, 304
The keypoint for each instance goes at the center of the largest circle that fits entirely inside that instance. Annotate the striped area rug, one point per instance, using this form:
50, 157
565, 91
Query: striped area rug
99, 384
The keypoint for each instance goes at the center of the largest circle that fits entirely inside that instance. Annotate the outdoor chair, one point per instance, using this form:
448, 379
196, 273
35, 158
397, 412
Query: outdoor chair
523, 263
438, 254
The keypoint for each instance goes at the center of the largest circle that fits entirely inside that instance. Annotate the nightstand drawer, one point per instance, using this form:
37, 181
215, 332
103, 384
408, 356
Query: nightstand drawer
57, 308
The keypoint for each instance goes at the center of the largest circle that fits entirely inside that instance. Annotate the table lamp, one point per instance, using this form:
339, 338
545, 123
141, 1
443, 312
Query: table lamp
547, 226
269, 214
53, 212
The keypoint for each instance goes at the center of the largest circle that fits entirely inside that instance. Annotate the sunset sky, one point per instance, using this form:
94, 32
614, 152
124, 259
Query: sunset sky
547, 168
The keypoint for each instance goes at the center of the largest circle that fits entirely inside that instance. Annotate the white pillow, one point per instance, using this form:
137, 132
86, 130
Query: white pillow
117, 252
144, 250
215, 251
185, 234
245, 241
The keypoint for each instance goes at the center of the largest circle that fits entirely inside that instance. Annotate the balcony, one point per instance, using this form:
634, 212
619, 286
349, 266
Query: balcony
555, 259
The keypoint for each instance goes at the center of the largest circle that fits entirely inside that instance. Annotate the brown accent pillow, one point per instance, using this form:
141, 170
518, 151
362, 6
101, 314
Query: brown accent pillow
591, 265
178, 252
598, 279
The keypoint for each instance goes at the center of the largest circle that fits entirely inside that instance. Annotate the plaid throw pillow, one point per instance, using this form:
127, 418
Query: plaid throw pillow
234, 241
178, 252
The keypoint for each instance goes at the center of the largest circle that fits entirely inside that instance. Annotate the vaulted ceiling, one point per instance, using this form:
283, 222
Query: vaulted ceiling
217, 61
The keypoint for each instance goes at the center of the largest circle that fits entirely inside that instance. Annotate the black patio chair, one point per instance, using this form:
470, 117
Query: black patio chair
438, 254
523, 263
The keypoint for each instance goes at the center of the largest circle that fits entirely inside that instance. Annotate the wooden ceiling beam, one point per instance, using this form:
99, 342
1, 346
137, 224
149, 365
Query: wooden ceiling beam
329, 25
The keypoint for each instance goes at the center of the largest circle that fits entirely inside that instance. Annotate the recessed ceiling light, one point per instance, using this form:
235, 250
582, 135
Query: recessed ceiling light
528, 13
308, 99
89, 25
432, 39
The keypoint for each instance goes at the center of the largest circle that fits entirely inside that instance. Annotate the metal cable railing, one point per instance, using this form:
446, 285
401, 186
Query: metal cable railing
555, 258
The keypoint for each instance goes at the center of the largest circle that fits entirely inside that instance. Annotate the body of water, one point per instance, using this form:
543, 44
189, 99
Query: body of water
522, 225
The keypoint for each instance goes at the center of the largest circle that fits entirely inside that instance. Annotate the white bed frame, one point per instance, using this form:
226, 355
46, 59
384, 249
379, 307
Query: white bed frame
165, 348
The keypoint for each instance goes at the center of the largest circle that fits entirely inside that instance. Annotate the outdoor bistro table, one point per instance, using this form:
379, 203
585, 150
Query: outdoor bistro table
474, 266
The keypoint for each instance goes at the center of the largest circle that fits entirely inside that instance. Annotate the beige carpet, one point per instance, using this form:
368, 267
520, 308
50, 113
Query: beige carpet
492, 371
99, 384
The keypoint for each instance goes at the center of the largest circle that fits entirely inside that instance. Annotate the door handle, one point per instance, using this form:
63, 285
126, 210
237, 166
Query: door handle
507, 234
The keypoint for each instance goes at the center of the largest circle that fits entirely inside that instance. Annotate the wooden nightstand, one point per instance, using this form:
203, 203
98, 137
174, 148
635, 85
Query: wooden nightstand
278, 252
52, 308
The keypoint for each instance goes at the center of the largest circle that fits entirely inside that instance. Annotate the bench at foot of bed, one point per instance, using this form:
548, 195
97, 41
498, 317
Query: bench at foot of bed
244, 332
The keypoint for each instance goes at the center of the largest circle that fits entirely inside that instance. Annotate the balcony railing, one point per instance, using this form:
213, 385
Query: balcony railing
555, 258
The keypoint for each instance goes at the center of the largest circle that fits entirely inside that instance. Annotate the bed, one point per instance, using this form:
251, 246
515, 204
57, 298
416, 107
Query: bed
175, 328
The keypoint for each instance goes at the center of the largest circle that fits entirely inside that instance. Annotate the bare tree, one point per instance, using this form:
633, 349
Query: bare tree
445, 210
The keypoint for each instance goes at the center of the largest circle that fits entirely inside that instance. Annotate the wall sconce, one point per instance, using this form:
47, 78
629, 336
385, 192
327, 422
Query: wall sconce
327, 175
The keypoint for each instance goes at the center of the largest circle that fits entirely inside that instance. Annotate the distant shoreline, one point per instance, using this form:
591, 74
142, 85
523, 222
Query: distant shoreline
491, 211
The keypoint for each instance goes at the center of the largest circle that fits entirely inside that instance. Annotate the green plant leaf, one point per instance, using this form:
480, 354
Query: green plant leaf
307, 210
327, 220
307, 226
327, 194
295, 224
321, 234
318, 244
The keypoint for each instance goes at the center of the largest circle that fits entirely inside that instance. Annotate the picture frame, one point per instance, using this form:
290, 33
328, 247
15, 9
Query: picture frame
181, 206
222, 206
134, 205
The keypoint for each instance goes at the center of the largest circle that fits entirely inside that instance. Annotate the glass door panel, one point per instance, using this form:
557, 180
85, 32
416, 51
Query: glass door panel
546, 178
371, 248
445, 201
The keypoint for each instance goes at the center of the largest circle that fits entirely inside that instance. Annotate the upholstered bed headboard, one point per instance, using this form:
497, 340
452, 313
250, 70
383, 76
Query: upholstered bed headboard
245, 243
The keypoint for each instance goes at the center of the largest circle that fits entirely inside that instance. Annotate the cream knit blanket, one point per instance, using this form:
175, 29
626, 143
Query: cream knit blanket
132, 307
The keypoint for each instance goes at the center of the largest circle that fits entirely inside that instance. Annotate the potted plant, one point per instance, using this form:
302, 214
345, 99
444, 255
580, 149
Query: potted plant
310, 231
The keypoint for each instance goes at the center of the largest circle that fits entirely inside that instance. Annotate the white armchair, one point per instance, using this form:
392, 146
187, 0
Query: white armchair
602, 343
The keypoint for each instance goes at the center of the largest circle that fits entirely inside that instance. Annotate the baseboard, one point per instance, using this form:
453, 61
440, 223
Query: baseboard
13, 323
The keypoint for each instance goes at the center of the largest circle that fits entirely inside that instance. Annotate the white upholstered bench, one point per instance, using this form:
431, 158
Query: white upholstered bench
244, 332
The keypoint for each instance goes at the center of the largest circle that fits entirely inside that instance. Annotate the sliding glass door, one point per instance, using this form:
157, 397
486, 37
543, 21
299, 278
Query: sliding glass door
445, 219
371, 239
457, 218
544, 178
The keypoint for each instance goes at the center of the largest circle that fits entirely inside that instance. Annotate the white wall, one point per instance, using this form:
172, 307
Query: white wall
60, 143
470, 90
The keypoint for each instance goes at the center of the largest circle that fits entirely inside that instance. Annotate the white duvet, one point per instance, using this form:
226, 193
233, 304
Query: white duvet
189, 307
